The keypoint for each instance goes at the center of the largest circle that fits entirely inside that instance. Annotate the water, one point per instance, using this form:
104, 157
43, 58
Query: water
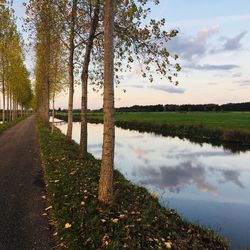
205, 184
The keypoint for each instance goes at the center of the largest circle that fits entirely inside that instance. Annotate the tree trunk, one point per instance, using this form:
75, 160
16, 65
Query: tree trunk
53, 114
3, 116
11, 112
3, 89
107, 165
8, 107
84, 107
71, 70
84, 79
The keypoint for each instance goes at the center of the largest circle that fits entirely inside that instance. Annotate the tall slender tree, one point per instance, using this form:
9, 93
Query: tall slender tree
133, 40
71, 66
106, 176
43, 19
93, 26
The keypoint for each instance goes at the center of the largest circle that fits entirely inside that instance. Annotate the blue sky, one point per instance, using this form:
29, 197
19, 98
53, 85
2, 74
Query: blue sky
214, 50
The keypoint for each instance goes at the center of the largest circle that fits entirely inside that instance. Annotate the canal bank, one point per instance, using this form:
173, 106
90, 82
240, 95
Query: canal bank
134, 221
207, 184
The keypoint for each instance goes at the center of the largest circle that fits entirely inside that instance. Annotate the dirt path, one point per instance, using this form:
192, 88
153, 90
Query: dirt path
22, 226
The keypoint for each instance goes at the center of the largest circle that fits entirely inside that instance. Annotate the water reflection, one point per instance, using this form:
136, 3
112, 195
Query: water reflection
233, 176
177, 178
184, 174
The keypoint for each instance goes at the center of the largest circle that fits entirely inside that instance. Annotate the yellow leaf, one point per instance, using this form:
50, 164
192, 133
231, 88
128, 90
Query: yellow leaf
68, 225
48, 208
168, 244
115, 220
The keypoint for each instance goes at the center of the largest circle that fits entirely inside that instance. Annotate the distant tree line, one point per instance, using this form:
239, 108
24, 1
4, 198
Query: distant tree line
185, 108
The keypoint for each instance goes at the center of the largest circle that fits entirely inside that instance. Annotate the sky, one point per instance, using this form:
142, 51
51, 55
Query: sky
214, 49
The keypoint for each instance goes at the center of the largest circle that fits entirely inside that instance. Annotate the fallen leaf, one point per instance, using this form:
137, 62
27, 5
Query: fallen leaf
48, 208
67, 225
168, 244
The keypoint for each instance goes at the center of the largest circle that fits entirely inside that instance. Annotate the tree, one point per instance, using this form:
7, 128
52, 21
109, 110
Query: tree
67, 20
43, 19
16, 87
133, 40
71, 67
107, 165
94, 18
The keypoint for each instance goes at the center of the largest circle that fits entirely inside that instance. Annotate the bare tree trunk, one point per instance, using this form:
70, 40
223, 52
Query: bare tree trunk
84, 79
71, 70
11, 107
8, 107
106, 176
3, 114
53, 114
3, 89
84, 107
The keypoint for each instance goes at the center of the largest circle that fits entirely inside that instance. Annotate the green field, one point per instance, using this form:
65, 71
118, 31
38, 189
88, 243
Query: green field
222, 120
219, 128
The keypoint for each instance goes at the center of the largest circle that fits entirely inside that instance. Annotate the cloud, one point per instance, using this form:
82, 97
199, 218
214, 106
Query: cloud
190, 46
210, 67
165, 88
136, 86
168, 89
244, 82
213, 83
233, 43
237, 75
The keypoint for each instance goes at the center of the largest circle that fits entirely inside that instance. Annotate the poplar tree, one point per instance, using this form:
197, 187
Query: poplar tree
107, 165
43, 21
136, 41
14, 77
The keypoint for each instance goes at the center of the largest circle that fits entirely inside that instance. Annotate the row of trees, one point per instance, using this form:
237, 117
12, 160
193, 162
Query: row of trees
14, 77
77, 40
245, 106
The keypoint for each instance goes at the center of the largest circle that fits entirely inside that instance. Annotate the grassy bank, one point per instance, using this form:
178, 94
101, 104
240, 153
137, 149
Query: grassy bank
7, 125
134, 221
230, 129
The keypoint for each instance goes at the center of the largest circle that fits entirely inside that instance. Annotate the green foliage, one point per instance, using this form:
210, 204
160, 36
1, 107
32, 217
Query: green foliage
50, 68
140, 44
14, 76
134, 221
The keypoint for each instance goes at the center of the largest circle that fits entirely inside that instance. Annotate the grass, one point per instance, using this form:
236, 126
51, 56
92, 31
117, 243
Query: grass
215, 120
134, 221
7, 125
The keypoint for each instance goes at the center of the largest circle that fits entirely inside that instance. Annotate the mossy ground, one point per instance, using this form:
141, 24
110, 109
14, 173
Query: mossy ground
135, 220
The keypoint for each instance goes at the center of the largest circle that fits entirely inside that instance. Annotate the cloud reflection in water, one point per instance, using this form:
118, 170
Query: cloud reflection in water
177, 178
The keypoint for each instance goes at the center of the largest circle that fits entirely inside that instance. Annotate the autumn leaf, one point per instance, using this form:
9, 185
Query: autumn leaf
168, 244
67, 225
48, 208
